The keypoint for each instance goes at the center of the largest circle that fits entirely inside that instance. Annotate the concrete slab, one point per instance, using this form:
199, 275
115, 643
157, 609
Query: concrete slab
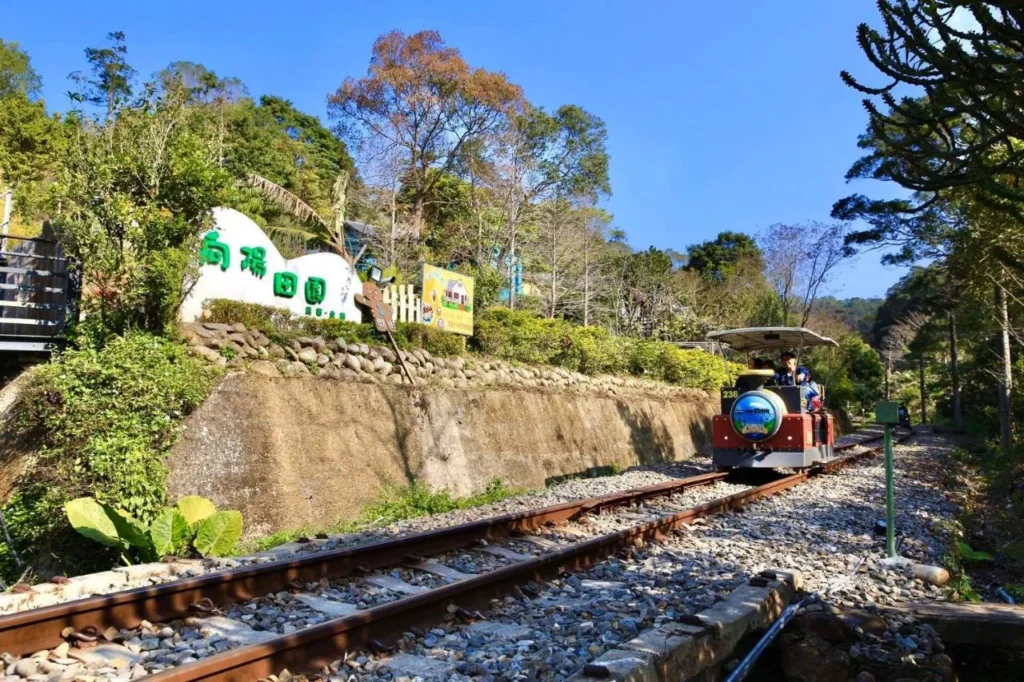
113, 655
394, 584
677, 651
543, 543
440, 569
329, 607
494, 550
599, 584
234, 631
975, 624
419, 666
490, 628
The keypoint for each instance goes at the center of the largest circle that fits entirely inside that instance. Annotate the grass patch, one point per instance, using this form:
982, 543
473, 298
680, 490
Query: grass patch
396, 504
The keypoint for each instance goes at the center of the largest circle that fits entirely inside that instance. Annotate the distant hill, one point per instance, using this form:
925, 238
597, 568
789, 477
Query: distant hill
859, 313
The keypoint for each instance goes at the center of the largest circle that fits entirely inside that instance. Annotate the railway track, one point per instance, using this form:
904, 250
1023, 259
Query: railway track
365, 597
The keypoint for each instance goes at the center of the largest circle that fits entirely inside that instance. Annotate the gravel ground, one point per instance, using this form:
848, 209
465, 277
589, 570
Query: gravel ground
551, 631
823, 528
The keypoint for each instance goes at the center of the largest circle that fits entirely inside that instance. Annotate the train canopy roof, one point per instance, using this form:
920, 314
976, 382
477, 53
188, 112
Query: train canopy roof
762, 338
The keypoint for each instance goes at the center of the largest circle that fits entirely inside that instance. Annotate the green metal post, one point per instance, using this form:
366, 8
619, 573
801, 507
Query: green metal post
890, 512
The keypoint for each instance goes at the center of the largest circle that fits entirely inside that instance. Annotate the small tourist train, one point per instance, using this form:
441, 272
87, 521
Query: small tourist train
769, 418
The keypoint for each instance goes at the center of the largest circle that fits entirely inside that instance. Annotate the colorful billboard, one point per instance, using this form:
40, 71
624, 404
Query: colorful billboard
447, 300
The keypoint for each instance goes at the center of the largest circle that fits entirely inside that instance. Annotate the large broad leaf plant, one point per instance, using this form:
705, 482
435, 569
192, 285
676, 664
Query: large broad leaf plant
193, 523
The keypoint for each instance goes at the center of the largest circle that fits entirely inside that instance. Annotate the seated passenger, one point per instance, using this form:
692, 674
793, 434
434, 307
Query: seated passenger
792, 375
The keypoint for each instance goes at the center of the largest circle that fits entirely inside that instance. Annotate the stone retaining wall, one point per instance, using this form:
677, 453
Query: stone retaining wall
234, 346
288, 448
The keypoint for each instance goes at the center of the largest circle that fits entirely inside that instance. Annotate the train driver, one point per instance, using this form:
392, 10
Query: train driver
793, 375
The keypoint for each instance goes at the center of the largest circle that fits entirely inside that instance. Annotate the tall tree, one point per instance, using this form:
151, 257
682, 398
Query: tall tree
110, 82
718, 259
800, 261
421, 97
960, 123
29, 139
543, 157
135, 193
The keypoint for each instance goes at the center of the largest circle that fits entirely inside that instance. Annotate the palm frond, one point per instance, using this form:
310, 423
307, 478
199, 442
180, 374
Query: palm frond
285, 199
285, 231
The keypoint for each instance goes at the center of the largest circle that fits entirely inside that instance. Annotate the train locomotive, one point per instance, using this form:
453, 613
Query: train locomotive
766, 426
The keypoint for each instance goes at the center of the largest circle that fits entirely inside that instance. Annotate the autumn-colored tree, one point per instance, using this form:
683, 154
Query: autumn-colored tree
421, 97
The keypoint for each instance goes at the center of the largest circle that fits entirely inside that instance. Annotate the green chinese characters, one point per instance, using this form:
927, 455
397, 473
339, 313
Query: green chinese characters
286, 284
255, 260
316, 290
214, 252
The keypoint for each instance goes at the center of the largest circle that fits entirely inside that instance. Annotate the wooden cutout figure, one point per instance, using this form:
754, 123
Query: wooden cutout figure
372, 299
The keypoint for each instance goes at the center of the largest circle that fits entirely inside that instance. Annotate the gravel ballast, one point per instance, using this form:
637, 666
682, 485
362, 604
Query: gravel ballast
822, 528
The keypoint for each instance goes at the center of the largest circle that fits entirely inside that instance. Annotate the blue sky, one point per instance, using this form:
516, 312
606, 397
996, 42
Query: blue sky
721, 116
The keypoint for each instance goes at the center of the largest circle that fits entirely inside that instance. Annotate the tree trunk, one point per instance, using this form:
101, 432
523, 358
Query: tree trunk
511, 273
888, 372
923, 390
1006, 382
417, 217
586, 280
954, 375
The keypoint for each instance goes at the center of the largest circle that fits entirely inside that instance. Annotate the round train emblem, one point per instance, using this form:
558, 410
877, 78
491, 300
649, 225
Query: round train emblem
756, 415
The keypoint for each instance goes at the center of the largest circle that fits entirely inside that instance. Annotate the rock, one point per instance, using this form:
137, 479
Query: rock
199, 330
219, 326
276, 351
353, 363
864, 677
366, 365
364, 349
825, 625
386, 369
322, 360
353, 348
27, 667
813, 660
318, 344
239, 327
207, 353
264, 367
871, 624
308, 356
296, 369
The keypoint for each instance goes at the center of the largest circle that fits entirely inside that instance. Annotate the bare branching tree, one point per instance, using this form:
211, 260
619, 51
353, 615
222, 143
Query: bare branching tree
800, 261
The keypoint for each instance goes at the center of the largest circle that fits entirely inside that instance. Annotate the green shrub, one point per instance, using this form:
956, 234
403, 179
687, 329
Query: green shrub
281, 326
520, 336
105, 419
523, 337
593, 350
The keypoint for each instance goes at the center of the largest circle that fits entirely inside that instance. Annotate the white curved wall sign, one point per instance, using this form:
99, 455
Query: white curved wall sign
239, 262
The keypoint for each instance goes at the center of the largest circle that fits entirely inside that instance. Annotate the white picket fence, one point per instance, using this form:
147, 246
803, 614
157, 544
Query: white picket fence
404, 302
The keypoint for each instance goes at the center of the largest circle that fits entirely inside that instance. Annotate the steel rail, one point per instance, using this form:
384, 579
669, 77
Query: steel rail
33, 630
313, 648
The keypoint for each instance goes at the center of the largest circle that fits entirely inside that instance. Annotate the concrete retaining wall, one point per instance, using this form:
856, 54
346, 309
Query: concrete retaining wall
289, 452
